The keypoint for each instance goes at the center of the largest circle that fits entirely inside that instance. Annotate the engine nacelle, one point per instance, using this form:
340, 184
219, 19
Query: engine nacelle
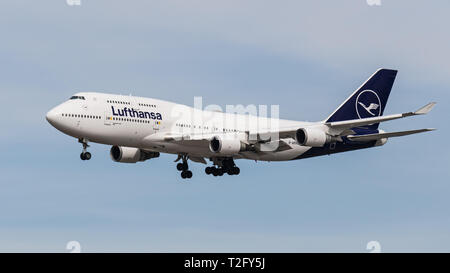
312, 137
130, 155
381, 141
226, 146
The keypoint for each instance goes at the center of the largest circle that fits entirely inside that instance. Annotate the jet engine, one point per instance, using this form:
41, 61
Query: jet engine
312, 137
130, 155
226, 146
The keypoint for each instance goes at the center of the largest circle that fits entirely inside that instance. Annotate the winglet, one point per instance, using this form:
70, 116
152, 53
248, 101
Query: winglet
424, 110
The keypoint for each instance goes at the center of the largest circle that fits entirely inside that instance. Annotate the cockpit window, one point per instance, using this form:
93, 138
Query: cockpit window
77, 98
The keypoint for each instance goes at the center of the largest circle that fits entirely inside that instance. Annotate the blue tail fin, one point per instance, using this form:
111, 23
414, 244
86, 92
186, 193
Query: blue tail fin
367, 101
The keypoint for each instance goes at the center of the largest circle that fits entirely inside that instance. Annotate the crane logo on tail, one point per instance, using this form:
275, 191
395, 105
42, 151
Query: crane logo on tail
372, 106
368, 104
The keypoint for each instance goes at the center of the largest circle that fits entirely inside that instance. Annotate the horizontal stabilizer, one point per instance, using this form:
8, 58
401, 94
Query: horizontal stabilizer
424, 110
371, 137
339, 126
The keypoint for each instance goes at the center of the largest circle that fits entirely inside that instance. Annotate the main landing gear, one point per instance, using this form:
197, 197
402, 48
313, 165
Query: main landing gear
85, 155
223, 166
184, 168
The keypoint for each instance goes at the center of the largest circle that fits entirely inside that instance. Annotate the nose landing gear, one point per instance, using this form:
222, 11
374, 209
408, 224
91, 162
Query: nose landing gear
85, 155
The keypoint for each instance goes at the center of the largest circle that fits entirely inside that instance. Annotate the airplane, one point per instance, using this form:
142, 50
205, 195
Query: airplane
139, 129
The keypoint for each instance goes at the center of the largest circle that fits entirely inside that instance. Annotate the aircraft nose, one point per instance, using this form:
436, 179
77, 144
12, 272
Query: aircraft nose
52, 116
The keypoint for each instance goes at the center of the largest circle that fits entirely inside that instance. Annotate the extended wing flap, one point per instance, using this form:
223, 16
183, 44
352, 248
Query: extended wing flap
283, 146
371, 137
197, 159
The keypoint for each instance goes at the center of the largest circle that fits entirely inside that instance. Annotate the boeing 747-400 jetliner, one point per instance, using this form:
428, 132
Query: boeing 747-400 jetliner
141, 128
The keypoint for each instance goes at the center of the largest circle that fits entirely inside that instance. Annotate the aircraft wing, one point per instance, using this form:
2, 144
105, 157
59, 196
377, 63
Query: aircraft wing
172, 137
343, 128
204, 139
371, 137
189, 139
337, 127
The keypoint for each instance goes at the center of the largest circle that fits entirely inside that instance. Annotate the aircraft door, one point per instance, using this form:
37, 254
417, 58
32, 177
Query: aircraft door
107, 118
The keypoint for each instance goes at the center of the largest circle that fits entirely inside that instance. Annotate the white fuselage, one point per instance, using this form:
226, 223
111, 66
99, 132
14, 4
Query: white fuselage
144, 122
141, 128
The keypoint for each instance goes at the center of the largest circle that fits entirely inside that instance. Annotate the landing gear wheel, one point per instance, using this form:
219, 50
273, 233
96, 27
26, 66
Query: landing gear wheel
223, 166
186, 174
87, 155
208, 170
183, 167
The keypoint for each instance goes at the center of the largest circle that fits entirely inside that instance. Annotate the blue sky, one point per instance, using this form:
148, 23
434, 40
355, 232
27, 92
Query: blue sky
306, 56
